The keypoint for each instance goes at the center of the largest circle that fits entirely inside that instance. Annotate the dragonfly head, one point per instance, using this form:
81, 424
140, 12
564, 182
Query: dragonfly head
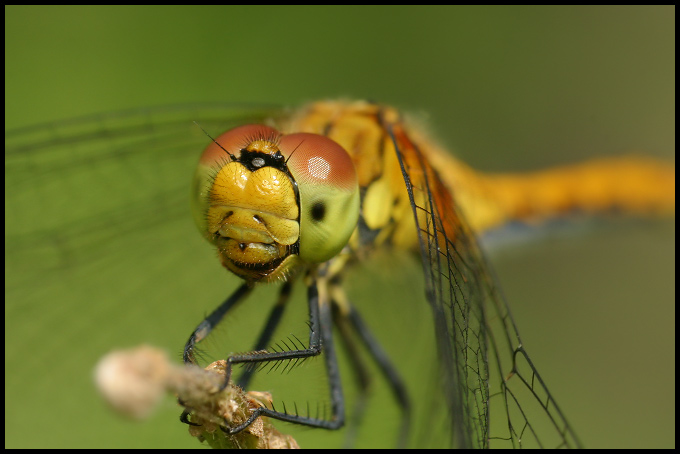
272, 203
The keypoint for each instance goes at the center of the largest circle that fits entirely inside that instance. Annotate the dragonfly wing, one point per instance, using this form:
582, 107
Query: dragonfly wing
73, 184
98, 234
493, 393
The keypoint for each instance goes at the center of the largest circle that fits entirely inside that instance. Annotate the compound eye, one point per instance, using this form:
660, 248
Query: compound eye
318, 160
329, 193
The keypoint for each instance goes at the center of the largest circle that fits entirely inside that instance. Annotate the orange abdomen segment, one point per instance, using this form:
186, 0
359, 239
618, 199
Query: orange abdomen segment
634, 185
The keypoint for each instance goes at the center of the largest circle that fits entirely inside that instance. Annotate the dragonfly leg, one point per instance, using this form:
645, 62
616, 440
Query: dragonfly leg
320, 334
362, 376
203, 330
211, 321
387, 368
266, 335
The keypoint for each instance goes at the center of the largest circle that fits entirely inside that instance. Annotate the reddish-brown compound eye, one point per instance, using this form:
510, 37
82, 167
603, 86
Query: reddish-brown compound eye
318, 160
329, 193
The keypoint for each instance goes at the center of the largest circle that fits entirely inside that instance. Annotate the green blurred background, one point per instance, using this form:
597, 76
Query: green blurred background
506, 88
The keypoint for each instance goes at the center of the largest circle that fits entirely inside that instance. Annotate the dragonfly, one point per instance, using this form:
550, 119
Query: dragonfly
407, 193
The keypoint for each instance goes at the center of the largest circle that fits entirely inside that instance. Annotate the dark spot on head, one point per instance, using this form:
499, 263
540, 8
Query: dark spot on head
318, 211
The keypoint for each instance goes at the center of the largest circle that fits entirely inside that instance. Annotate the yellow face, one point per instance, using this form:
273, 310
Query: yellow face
272, 203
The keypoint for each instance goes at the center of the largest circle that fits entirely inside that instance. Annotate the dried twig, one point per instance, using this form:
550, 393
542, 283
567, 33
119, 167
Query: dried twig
134, 381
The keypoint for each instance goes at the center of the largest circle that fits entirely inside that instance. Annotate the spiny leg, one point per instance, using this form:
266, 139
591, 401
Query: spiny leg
266, 335
211, 321
321, 323
205, 328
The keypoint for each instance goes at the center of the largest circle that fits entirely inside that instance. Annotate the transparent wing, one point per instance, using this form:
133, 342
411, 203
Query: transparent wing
98, 235
98, 242
494, 395
72, 186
